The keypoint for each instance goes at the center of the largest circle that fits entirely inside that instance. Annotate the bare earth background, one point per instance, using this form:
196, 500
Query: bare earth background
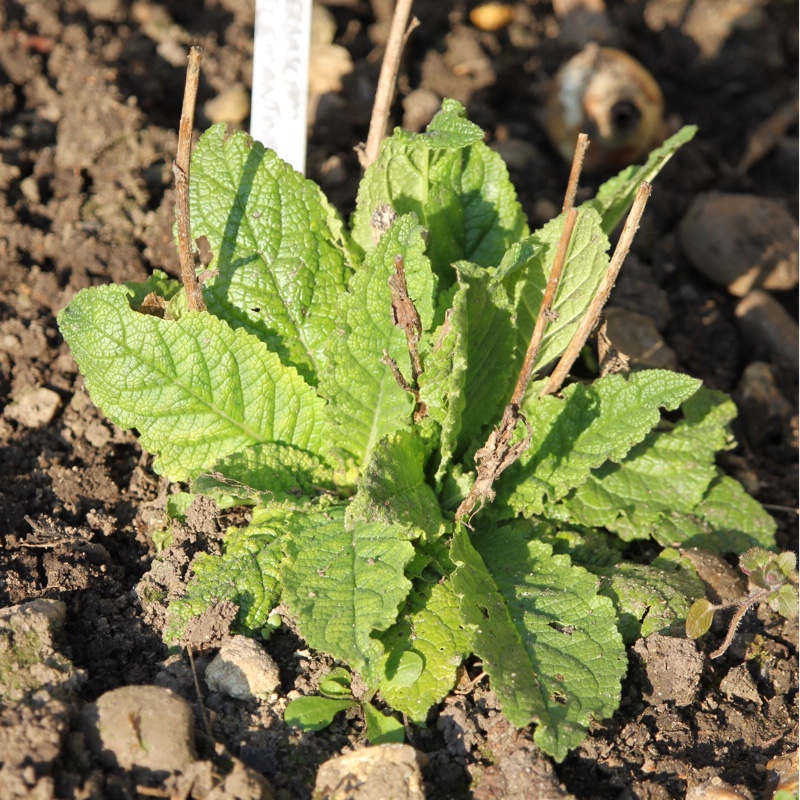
90, 94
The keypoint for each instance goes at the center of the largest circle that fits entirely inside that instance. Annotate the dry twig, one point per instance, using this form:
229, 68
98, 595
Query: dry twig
194, 295
592, 314
384, 93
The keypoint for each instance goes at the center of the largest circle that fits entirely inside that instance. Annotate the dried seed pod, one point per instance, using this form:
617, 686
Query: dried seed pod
612, 97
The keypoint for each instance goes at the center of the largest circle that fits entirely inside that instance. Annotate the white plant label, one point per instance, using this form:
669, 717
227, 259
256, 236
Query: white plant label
278, 118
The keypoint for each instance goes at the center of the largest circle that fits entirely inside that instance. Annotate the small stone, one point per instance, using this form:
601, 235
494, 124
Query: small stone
231, 106
243, 670
714, 789
784, 775
323, 25
673, 669
141, 726
764, 411
637, 337
385, 772
723, 584
739, 683
328, 64
419, 108
741, 242
33, 408
28, 658
491, 16
516, 153
768, 327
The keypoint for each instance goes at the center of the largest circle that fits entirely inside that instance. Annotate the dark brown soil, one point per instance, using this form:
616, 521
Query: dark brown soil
90, 95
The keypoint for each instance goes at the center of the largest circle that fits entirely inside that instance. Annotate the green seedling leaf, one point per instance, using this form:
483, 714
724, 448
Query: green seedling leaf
754, 559
345, 585
382, 728
468, 376
430, 637
314, 713
194, 388
784, 601
547, 639
279, 247
699, 618
457, 187
178, 504
336, 684
366, 401
615, 197
787, 563
267, 472
159, 284
587, 262
590, 426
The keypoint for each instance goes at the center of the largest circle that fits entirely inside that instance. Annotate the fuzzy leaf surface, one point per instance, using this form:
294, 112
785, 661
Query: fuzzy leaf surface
393, 489
652, 598
278, 246
196, 389
431, 628
615, 196
589, 426
587, 262
267, 473
726, 520
467, 378
458, 188
246, 573
547, 639
668, 473
366, 402
345, 585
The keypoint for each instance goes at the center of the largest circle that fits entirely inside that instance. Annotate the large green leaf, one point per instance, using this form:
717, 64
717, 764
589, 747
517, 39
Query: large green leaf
345, 586
431, 632
547, 639
615, 196
393, 489
586, 263
195, 389
278, 245
591, 425
265, 473
366, 401
467, 378
458, 188
668, 473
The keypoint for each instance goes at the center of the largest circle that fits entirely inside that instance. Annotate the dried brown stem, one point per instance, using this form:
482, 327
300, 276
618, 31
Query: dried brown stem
592, 314
194, 295
406, 316
499, 452
545, 315
575, 173
386, 81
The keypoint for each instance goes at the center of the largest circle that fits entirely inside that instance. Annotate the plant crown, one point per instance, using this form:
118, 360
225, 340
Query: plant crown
299, 393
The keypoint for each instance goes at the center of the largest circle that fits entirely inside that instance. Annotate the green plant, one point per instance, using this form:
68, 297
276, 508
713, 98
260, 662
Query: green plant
771, 578
353, 387
314, 713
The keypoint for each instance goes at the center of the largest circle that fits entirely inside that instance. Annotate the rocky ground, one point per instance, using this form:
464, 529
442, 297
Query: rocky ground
89, 104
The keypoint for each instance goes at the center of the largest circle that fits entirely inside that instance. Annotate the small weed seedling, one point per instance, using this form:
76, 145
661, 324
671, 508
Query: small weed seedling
771, 579
420, 490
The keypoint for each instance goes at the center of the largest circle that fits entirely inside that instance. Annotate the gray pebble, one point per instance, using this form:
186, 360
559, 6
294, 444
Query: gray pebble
243, 670
767, 325
741, 242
